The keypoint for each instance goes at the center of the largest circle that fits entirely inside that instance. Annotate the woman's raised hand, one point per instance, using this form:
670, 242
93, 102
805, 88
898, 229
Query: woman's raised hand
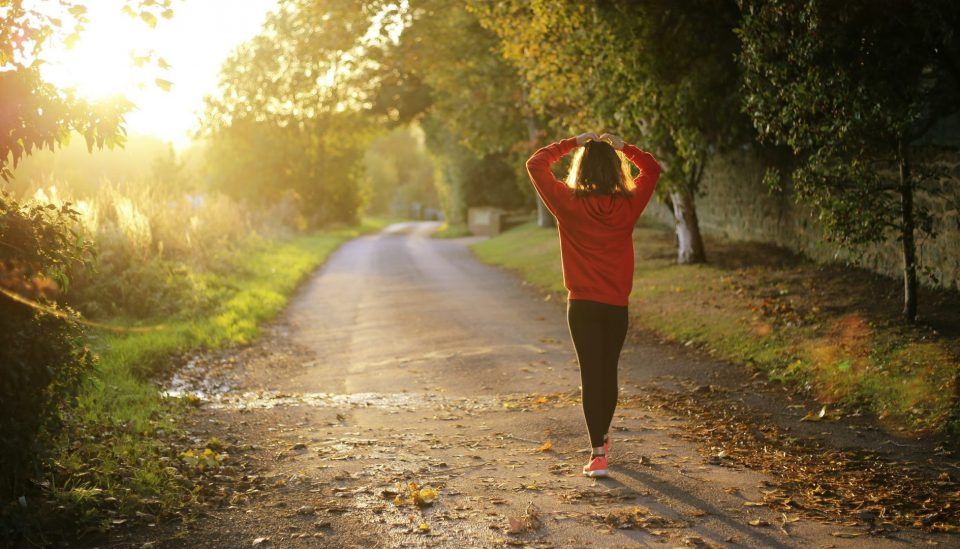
615, 142
584, 137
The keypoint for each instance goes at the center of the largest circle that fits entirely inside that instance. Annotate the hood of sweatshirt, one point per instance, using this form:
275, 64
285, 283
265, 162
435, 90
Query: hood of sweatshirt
608, 210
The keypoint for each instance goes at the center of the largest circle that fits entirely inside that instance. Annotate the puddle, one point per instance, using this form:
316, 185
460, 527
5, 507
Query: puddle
409, 401
201, 377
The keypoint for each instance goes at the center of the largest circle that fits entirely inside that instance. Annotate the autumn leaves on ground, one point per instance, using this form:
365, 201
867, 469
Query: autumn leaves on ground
240, 301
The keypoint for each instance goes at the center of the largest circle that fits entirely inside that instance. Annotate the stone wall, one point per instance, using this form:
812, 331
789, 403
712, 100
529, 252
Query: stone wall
737, 205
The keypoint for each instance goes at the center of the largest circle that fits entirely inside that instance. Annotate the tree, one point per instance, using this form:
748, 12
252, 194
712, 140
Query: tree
288, 115
35, 114
849, 87
442, 70
663, 70
399, 171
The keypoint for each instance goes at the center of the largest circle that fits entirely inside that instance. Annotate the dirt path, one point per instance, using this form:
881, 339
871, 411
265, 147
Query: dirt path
406, 360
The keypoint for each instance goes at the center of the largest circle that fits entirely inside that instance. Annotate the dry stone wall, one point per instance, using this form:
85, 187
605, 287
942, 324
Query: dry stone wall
737, 205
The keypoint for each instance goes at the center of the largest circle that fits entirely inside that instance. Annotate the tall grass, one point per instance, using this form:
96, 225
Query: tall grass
161, 252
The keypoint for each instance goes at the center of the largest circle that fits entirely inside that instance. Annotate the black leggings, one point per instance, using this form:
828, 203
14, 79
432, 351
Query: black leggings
598, 331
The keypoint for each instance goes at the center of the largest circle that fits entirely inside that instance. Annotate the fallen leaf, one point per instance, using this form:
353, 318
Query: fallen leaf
846, 534
815, 417
515, 525
788, 520
426, 495
528, 522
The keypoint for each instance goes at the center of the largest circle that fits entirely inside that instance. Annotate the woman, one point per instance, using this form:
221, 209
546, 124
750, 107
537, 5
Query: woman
596, 211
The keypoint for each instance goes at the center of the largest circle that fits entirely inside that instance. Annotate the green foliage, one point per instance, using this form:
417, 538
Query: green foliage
544, 41
399, 172
842, 85
848, 86
443, 70
42, 117
316, 165
42, 355
474, 94
156, 247
468, 179
36, 114
662, 72
845, 74
37, 241
141, 289
286, 121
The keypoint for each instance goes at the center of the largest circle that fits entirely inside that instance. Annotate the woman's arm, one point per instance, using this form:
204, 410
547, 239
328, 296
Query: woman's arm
554, 193
646, 180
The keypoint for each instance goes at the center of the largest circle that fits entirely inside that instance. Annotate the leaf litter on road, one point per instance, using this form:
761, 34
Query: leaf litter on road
411, 493
529, 521
638, 517
809, 477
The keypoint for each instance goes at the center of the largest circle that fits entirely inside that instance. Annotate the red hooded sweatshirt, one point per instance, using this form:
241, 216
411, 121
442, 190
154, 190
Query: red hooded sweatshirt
596, 231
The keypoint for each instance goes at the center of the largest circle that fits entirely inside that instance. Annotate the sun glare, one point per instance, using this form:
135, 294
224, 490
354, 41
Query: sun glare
101, 64
195, 42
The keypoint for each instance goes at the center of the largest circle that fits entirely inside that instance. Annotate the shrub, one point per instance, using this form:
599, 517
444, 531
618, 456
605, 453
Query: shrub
42, 355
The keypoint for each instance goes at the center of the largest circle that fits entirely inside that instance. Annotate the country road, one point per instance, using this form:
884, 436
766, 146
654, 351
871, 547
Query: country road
404, 359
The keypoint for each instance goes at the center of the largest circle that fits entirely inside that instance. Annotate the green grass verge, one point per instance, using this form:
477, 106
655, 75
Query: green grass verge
116, 454
451, 231
801, 324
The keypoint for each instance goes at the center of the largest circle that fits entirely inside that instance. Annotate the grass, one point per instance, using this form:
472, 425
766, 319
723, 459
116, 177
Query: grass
829, 330
117, 452
451, 231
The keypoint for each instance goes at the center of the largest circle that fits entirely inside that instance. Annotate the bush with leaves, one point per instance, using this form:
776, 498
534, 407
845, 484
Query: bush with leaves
42, 354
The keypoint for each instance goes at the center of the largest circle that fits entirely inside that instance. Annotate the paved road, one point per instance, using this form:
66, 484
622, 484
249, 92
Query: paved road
406, 360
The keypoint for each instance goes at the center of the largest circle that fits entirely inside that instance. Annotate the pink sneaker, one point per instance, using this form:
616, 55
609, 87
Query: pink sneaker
596, 468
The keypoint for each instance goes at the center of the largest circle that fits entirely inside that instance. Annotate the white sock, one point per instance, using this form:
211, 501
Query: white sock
598, 451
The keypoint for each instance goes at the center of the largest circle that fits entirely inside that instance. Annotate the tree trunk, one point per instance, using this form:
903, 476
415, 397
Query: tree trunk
907, 226
544, 217
689, 241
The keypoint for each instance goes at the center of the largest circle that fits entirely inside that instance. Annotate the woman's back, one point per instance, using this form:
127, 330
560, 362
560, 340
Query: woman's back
595, 229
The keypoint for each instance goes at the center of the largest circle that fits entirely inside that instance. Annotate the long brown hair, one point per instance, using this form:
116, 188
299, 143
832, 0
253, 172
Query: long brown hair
599, 169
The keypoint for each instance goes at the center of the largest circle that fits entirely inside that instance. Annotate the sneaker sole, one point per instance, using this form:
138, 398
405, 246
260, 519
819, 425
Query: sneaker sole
596, 473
